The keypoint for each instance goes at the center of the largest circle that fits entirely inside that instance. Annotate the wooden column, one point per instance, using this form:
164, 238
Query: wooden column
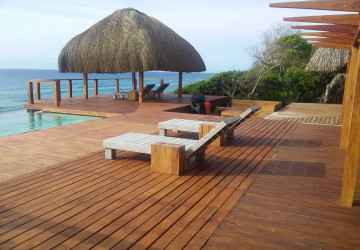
348, 101
117, 85
161, 83
85, 85
134, 87
141, 86
96, 89
30, 92
352, 159
37, 91
58, 89
180, 84
56, 86
346, 94
69, 88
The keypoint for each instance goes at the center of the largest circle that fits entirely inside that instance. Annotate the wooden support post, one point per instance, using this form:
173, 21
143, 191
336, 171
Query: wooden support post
168, 158
30, 93
180, 84
352, 76
117, 89
37, 91
58, 89
352, 159
85, 85
204, 129
56, 93
96, 90
134, 87
69, 88
141, 86
161, 83
346, 94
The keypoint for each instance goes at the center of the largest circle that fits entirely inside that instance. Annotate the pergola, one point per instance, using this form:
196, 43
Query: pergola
129, 41
339, 32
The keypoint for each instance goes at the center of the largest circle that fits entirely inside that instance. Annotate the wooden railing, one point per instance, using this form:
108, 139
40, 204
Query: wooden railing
57, 87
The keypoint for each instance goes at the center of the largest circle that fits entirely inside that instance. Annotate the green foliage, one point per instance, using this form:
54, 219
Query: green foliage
211, 86
296, 85
287, 81
305, 86
296, 46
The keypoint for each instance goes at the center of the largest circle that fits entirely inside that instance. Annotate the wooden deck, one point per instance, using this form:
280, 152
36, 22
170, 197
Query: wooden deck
275, 185
104, 105
294, 201
309, 113
90, 201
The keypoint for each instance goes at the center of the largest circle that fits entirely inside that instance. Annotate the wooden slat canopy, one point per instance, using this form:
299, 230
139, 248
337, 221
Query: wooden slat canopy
328, 34
349, 19
339, 32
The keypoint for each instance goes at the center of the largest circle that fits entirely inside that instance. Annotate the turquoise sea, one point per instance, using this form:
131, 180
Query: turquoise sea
13, 93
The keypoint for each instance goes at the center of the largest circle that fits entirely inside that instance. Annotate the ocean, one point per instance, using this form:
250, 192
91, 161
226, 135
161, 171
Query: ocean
13, 88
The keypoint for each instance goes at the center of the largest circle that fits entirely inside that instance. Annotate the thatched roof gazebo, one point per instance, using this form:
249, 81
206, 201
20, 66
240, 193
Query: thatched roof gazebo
129, 41
329, 60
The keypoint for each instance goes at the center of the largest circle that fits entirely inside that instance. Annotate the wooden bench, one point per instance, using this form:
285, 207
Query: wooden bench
120, 94
239, 106
170, 155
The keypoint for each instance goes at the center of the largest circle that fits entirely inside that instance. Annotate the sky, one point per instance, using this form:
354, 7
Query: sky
222, 31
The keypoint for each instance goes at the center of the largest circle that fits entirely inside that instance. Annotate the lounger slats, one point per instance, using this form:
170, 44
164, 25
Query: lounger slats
219, 129
183, 125
141, 143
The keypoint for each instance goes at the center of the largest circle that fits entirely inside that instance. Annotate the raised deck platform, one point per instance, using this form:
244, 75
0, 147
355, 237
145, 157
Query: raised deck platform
276, 185
309, 113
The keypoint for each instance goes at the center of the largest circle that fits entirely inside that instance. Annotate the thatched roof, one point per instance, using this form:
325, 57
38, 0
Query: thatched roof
328, 60
129, 41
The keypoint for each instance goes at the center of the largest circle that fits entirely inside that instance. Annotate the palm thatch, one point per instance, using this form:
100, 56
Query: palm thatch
328, 60
129, 41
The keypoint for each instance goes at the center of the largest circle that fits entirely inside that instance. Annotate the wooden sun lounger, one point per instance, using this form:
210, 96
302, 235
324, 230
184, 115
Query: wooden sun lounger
170, 155
160, 89
201, 127
146, 90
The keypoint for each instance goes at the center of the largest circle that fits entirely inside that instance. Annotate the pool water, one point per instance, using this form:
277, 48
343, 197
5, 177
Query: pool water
21, 121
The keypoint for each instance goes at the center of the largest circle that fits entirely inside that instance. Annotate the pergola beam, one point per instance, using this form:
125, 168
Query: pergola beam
341, 28
331, 40
329, 34
350, 19
330, 45
343, 5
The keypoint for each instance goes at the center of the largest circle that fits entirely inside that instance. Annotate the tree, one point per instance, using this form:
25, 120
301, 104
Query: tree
280, 48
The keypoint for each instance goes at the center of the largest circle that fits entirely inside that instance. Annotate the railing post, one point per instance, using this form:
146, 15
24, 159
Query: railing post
37, 91
85, 86
161, 83
96, 87
117, 85
30, 93
56, 86
69, 88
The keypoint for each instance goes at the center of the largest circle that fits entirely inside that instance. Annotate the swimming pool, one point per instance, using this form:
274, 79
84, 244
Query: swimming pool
20, 121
